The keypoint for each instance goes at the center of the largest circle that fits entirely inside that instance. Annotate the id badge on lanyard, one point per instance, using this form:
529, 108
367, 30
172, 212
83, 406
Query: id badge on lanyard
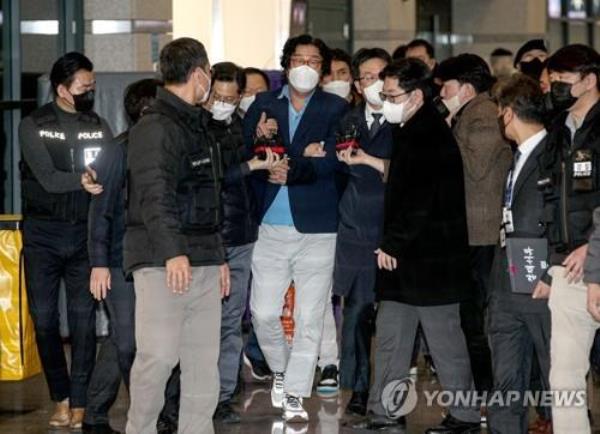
507, 225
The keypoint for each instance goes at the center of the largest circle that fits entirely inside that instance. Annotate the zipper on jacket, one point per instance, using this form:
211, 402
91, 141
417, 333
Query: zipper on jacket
564, 204
72, 217
215, 182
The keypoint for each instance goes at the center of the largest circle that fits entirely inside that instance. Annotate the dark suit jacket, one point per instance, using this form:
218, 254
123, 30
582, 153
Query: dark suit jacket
425, 224
311, 181
361, 207
528, 216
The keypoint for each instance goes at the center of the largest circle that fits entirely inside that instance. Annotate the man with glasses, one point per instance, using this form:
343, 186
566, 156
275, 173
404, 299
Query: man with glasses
423, 254
297, 208
361, 221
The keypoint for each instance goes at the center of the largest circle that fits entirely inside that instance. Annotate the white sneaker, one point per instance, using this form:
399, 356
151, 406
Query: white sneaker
293, 410
277, 390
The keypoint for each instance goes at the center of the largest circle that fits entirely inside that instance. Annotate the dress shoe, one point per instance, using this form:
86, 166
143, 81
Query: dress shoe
376, 422
451, 425
226, 414
540, 426
358, 404
103, 428
166, 427
62, 415
77, 415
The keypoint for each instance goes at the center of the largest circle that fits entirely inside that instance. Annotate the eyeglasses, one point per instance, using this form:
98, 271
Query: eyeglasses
392, 98
226, 99
313, 62
368, 78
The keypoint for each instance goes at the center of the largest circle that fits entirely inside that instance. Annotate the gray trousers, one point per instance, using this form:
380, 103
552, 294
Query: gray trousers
172, 328
239, 260
396, 329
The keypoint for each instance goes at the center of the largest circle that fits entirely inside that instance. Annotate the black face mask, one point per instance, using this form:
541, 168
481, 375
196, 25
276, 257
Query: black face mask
560, 96
533, 68
441, 107
84, 102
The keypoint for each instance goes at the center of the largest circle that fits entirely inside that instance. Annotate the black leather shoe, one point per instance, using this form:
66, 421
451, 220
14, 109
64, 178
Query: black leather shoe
166, 427
376, 422
226, 414
98, 429
451, 425
358, 404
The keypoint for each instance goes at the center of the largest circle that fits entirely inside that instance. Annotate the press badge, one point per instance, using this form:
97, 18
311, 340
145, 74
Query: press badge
507, 220
90, 154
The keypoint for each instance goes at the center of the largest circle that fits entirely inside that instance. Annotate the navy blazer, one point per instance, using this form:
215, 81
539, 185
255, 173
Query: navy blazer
361, 205
311, 181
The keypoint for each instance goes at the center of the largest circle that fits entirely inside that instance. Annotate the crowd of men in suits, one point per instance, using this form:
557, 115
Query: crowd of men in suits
448, 205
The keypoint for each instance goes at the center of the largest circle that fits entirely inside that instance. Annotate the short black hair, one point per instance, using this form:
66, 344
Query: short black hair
290, 48
411, 74
499, 52
179, 58
576, 58
532, 44
415, 43
229, 72
250, 70
138, 96
365, 54
523, 95
467, 68
64, 69
399, 52
341, 56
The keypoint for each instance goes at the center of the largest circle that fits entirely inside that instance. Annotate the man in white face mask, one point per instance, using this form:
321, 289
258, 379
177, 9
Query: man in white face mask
486, 156
297, 208
240, 227
423, 253
257, 81
339, 80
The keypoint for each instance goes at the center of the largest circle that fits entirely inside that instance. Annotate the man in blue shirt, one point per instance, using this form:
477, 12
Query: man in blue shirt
297, 206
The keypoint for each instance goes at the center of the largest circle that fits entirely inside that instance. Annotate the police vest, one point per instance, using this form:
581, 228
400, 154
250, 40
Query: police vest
570, 182
70, 151
200, 177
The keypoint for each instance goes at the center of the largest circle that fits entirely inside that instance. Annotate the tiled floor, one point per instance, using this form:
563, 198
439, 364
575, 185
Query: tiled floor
25, 408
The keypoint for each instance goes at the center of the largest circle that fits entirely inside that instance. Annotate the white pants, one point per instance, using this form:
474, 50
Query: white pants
281, 255
573, 330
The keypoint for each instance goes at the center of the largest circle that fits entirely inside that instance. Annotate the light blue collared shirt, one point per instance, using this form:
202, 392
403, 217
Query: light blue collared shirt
280, 212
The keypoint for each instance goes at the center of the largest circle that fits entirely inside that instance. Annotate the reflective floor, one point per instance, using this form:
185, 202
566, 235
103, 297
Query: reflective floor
25, 408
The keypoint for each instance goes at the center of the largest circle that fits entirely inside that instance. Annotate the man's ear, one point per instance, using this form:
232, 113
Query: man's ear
63, 92
591, 81
357, 87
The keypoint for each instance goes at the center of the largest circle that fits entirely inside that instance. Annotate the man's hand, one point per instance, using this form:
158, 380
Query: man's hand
353, 157
224, 280
542, 290
385, 261
270, 161
100, 282
179, 274
574, 264
315, 150
278, 174
593, 300
88, 181
266, 127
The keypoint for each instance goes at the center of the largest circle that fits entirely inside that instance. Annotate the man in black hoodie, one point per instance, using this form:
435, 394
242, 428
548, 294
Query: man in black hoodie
173, 246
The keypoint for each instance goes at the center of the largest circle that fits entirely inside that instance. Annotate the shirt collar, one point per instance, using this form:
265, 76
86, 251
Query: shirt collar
285, 92
529, 145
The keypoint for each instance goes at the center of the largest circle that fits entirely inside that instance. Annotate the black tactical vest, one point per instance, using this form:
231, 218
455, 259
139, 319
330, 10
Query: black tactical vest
70, 152
200, 176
